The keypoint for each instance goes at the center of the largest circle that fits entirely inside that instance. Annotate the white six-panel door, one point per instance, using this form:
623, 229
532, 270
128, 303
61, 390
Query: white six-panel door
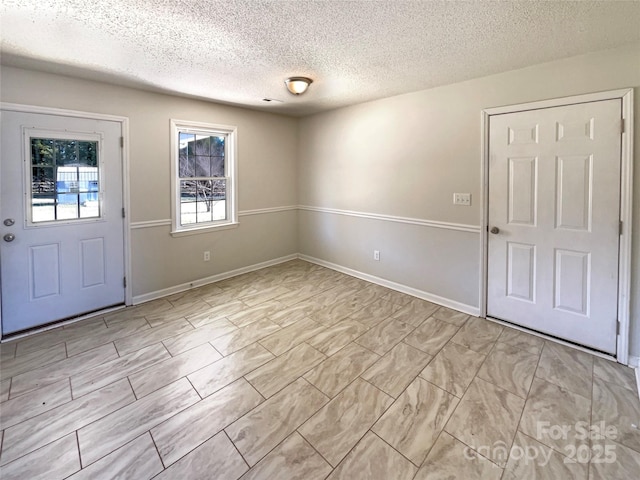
61, 180
554, 204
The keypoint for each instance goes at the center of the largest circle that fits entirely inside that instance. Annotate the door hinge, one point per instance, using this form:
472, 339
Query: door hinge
124, 282
617, 327
620, 228
122, 212
121, 142
622, 125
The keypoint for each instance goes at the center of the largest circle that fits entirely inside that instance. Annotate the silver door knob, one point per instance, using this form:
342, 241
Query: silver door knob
8, 222
495, 230
9, 237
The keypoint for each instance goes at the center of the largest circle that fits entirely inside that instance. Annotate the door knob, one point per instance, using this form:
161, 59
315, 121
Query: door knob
9, 237
495, 230
8, 222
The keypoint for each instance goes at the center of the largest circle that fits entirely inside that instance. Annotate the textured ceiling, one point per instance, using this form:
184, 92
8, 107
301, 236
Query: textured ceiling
240, 52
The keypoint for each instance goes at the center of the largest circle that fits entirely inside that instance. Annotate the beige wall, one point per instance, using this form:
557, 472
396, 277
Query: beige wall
266, 164
405, 156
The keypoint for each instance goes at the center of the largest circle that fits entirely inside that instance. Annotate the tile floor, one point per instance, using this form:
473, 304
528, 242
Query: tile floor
300, 372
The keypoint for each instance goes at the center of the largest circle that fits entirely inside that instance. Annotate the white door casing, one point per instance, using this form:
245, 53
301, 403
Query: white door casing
554, 196
59, 269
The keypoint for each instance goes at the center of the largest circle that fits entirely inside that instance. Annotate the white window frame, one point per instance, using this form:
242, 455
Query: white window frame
27, 134
231, 170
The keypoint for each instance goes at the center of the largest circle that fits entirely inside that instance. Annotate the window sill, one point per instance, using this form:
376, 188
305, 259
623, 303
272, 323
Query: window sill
199, 230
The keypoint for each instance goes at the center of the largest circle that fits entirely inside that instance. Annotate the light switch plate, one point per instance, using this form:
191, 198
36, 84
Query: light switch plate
462, 199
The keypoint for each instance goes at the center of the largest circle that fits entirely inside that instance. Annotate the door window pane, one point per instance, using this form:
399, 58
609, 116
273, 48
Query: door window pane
65, 182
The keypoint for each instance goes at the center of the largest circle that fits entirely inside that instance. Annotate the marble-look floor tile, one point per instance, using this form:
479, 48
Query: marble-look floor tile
212, 378
509, 368
216, 312
415, 312
451, 459
398, 298
252, 314
55, 461
265, 294
106, 373
114, 430
431, 336
260, 430
293, 459
291, 336
532, 459
623, 463
451, 316
149, 337
167, 371
566, 367
38, 431
342, 422
453, 368
294, 313
34, 403
8, 350
216, 458
552, 414
195, 425
119, 330
375, 312
523, 341
240, 338
31, 361
415, 419
149, 308
334, 338
613, 372
617, 407
397, 369
178, 313
384, 336
486, 415
478, 335
127, 313
5, 385
242, 281
194, 338
193, 295
220, 297
332, 314
281, 371
338, 371
55, 336
137, 460
299, 292
331, 296
373, 459
61, 370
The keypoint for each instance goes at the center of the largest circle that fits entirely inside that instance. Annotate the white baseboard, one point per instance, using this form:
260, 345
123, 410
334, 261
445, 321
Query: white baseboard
147, 297
445, 302
634, 362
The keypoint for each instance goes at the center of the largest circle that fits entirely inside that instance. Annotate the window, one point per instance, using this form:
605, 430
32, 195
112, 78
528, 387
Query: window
64, 177
203, 177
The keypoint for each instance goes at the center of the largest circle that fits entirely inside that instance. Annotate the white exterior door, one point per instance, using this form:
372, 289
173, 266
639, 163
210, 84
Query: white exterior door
554, 209
62, 246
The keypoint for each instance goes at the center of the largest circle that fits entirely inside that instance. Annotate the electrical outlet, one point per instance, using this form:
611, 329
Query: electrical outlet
462, 199
376, 255
207, 256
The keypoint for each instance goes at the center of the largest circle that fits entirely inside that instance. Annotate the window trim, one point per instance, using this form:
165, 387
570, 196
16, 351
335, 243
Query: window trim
231, 173
29, 133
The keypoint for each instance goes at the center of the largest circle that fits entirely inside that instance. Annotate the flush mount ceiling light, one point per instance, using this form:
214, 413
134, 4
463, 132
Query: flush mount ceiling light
298, 85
